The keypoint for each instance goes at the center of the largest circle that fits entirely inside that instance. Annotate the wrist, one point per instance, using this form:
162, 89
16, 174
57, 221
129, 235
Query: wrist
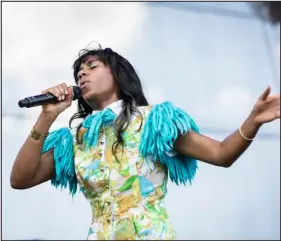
254, 121
250, 127
49, 117
41, 128
36, 135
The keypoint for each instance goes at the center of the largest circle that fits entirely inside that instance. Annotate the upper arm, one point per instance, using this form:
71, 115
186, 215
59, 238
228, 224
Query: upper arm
44, 172
46, 168
199, 147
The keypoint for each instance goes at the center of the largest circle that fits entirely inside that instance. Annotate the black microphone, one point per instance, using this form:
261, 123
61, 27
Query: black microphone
47, 98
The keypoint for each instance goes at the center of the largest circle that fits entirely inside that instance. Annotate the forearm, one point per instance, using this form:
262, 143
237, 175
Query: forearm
232, 147
28, 158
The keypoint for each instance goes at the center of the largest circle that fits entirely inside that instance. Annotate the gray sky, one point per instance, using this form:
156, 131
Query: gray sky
213, 66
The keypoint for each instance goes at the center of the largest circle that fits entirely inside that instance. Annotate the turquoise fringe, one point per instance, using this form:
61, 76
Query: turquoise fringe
62, 141
93, 124
161, 129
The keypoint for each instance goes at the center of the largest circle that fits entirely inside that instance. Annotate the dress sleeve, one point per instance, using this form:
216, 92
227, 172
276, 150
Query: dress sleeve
62, 142
162, 127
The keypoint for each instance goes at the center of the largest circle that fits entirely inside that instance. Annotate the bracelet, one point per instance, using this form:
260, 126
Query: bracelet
248, 139
36, 135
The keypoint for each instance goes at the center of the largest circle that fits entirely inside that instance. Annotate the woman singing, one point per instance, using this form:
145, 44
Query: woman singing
123, 151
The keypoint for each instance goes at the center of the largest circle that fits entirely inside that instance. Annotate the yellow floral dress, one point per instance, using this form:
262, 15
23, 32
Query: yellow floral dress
126, 195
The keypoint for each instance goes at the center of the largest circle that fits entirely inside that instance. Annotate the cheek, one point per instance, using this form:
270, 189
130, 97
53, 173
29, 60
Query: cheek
104, 81
109, 84
107, 81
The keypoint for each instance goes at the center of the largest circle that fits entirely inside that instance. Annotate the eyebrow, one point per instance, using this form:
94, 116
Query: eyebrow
87, 62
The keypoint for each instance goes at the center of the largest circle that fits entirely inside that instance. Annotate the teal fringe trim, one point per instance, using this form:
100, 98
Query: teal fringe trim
93, 124
62, 141
161, 129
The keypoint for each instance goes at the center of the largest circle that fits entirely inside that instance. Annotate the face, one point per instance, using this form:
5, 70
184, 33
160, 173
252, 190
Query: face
96, 81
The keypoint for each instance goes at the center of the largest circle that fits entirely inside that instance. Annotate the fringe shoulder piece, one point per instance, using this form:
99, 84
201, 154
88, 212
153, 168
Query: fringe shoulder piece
62, 142
163, 123
93, 123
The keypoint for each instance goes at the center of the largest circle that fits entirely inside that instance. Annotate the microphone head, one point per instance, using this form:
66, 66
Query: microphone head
23, 103
77, 92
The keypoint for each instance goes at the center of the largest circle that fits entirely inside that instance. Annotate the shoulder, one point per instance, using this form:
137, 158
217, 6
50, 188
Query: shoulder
166, 108
164, 122
144, 110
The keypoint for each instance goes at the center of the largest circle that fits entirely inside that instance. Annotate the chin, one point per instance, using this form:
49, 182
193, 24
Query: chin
89, 97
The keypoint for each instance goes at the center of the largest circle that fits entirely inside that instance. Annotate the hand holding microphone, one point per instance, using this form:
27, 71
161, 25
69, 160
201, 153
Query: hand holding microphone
53, 100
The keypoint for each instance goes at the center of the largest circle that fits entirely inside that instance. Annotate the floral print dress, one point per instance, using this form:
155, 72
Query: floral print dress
126, 194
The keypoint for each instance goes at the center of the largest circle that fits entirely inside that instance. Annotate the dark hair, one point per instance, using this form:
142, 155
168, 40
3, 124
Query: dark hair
128, 86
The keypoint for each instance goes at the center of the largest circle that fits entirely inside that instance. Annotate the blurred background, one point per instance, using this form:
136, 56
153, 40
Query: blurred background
211, 58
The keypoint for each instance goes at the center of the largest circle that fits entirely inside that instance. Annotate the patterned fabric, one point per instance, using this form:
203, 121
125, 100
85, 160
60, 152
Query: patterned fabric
126, 194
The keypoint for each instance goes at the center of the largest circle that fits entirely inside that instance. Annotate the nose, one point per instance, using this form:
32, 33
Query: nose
82, 73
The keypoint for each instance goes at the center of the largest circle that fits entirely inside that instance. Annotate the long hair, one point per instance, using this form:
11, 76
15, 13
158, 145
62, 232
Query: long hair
129, 89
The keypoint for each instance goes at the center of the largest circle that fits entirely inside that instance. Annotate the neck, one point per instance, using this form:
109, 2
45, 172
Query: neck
100, 104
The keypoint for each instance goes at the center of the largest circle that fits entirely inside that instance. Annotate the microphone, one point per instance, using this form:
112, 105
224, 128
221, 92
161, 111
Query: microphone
47, 98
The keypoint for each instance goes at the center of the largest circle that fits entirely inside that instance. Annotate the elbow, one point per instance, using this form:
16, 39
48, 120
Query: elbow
15, 186
20, 180
226, 164
220, 163
18, 186
223, 160
217, 160
17, 183
14, 181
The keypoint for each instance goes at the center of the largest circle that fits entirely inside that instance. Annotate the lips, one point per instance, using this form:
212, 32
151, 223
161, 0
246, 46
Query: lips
83, 84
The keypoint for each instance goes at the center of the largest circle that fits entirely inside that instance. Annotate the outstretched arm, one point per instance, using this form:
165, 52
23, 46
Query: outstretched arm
226, 152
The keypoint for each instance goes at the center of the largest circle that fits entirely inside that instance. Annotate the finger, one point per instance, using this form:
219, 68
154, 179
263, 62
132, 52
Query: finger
265, 94
54, 92
70, 93
46, 91
60, 93
51, 91
65, 88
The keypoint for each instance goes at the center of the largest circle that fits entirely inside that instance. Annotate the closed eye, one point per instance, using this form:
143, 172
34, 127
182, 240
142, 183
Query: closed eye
92, 65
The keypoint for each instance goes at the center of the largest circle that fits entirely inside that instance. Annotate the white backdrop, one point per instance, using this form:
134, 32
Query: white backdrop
210, 62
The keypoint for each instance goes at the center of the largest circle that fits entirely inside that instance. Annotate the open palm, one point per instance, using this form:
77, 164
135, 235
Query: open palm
267, 107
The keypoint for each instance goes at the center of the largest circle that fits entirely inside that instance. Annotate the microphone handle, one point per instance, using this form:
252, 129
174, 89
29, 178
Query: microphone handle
37, 100
47, 98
